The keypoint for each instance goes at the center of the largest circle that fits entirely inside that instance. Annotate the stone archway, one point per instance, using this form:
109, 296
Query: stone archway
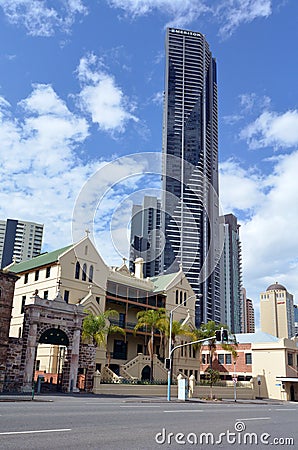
52, 321
146, 372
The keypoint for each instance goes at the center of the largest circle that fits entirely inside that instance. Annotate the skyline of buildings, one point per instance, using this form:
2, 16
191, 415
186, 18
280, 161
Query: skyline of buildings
190, 130
190, 168
19, 240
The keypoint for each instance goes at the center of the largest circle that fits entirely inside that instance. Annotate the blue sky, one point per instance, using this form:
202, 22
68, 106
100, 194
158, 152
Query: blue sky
81, 84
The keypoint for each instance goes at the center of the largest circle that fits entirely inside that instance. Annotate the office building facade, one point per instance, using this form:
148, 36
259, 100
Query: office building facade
19, 241
248, 313
231, 272
145, 235
190, 168
277, 311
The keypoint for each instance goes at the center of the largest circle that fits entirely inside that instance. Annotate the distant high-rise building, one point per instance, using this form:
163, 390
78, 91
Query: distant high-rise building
277, 311
19, 240
231, 273
190, 168
296, 319
248, 313
145, 235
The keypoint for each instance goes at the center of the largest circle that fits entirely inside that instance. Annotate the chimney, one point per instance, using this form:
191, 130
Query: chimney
139, 262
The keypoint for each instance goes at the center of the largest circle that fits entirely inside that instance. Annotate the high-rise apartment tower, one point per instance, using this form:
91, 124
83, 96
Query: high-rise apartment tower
19, 241
231, 274
145, 236
190, 168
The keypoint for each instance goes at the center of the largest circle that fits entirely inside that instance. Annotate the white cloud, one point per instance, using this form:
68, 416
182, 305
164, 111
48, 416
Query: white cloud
41, 19
40, 172
230, 14
158, 97
268, 211
272, 129
101, 97
181, 12
248, 195
42, 175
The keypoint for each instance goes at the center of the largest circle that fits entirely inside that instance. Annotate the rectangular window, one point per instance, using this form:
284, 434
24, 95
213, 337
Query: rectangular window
46, 295
26, 278
37, 364
221, 358
228, 358
48, 272
290, 359
120, 349
36, 275
66, 296
23, 304
248, 359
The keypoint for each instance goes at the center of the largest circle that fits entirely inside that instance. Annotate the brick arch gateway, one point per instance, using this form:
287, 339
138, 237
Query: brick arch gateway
58, 323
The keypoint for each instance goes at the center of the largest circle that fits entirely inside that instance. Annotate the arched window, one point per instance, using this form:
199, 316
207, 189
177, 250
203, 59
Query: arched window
91, 274
77, 272
84, 274
184, 296
181, 297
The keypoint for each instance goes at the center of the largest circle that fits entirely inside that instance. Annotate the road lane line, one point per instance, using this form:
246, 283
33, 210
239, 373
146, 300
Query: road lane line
285, 409
255, 418
139, 406
183, 410
34, 431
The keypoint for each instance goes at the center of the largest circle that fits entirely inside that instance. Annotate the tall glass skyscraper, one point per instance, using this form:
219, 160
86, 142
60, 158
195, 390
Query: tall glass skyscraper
190, 168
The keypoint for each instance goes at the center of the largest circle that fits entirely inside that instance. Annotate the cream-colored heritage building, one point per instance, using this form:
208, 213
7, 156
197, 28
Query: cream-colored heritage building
277, 311
82, 277
274, 368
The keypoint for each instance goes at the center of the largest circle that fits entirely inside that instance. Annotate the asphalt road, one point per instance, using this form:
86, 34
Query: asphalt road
127, 423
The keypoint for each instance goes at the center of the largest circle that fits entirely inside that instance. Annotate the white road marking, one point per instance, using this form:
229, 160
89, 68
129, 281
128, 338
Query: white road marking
139, 406
255, 418
35, 431
183, 410
285, 409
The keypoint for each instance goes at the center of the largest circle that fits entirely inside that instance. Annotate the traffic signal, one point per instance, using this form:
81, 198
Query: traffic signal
224, 335
168, 363
218, 335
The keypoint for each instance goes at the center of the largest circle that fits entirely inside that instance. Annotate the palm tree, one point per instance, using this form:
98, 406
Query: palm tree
154, 320
96, 328
232, 348
196, 335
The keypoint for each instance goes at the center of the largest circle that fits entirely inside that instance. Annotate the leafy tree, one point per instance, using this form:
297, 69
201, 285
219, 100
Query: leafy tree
96, 328
154, 320
213, 377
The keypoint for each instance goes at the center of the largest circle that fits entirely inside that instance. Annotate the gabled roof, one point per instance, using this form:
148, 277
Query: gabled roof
39, 261
162, 281
254, 338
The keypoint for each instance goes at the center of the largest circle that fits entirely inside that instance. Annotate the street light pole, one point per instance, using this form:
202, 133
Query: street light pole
170, 344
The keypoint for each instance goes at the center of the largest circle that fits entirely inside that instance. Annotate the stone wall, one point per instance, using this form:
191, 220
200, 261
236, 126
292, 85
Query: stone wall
87, 363
13, 378
7, 283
